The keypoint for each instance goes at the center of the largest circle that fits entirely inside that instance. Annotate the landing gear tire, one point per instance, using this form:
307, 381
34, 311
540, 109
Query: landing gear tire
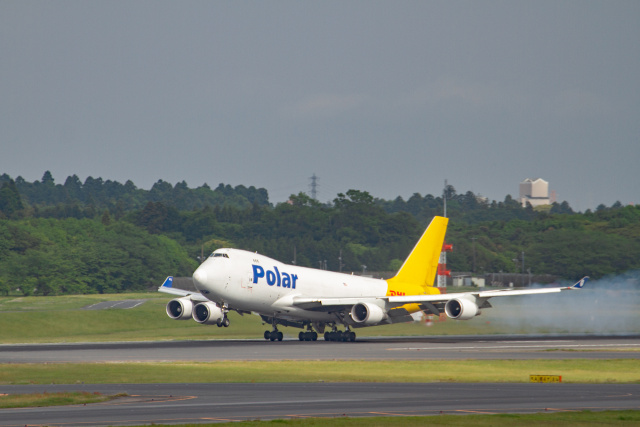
273, 335
346, 336
308, 336
225, 322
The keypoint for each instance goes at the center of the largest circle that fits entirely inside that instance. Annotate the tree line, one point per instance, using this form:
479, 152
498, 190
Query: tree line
96, 242
75, 198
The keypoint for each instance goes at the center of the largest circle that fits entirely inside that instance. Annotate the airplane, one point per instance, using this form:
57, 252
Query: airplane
314, 300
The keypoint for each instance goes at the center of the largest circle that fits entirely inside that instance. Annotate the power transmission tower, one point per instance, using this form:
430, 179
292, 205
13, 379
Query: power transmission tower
314, 187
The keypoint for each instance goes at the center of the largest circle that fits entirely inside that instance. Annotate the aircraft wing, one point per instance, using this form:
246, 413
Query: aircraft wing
401, 300
428, 301
167, 287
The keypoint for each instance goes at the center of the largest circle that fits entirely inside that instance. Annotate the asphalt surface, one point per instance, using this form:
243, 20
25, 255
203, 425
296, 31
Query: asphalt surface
125, 305
200, 403
206, 403
405, 348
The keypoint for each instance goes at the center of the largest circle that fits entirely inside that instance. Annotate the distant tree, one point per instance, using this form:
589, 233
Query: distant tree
156, 218
303, 199
47, 179
4, 287
10, 200
510, 202
562, 208
415, 204
73, 187
160, 191
106, 218
450, 192
353, 197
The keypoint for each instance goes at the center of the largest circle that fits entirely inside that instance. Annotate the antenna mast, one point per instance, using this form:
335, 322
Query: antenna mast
444, 197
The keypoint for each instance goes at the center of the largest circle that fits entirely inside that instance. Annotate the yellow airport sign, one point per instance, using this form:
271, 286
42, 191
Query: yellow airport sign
545, 378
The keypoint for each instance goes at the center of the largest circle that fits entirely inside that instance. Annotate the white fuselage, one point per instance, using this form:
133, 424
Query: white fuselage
248, 281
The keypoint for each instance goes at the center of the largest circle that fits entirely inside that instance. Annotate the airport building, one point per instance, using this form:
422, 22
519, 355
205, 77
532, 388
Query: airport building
534, 192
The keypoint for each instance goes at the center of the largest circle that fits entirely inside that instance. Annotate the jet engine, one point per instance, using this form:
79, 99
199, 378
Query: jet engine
368, 314
180, 308
461, 309
208, 313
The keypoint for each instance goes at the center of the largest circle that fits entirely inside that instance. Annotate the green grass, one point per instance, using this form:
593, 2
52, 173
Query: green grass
508, 371
52, 399
559, 419
61, 319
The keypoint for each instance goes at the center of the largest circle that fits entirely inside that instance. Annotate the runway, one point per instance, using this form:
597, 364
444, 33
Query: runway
200, 403
400, 348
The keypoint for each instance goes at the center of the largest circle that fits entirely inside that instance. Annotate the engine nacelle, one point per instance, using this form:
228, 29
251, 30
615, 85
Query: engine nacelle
207, 313
368, 314
461, 309
180, 308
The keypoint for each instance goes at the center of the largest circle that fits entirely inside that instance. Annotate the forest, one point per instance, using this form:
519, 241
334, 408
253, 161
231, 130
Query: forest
106, 237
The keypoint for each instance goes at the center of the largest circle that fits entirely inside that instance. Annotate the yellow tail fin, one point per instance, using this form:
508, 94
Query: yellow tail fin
419, 270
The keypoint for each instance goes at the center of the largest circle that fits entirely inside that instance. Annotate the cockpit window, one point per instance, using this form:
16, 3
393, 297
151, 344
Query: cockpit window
218, 254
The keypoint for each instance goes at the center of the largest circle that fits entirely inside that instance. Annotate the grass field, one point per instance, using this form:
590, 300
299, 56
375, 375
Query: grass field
511, 371
63, 319
52, 399
574, 419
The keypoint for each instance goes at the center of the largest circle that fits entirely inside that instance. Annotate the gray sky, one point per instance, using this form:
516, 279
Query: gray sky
389, 97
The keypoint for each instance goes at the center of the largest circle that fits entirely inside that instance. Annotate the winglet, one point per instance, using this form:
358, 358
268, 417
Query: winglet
168, 282
580, 284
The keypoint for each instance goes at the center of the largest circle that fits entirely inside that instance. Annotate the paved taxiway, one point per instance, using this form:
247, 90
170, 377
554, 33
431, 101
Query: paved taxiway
196, 403
409, 348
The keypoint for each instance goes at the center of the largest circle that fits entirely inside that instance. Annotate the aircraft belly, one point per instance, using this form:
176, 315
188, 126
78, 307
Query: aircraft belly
302, 315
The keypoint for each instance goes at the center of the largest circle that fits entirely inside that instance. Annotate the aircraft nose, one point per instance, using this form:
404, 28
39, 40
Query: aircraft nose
200, 277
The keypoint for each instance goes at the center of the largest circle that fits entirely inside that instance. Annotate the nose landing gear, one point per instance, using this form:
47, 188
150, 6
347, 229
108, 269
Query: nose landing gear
224, 322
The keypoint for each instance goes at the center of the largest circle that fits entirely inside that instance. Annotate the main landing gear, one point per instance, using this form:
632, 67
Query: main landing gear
308, 336
275, 334
336, 335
